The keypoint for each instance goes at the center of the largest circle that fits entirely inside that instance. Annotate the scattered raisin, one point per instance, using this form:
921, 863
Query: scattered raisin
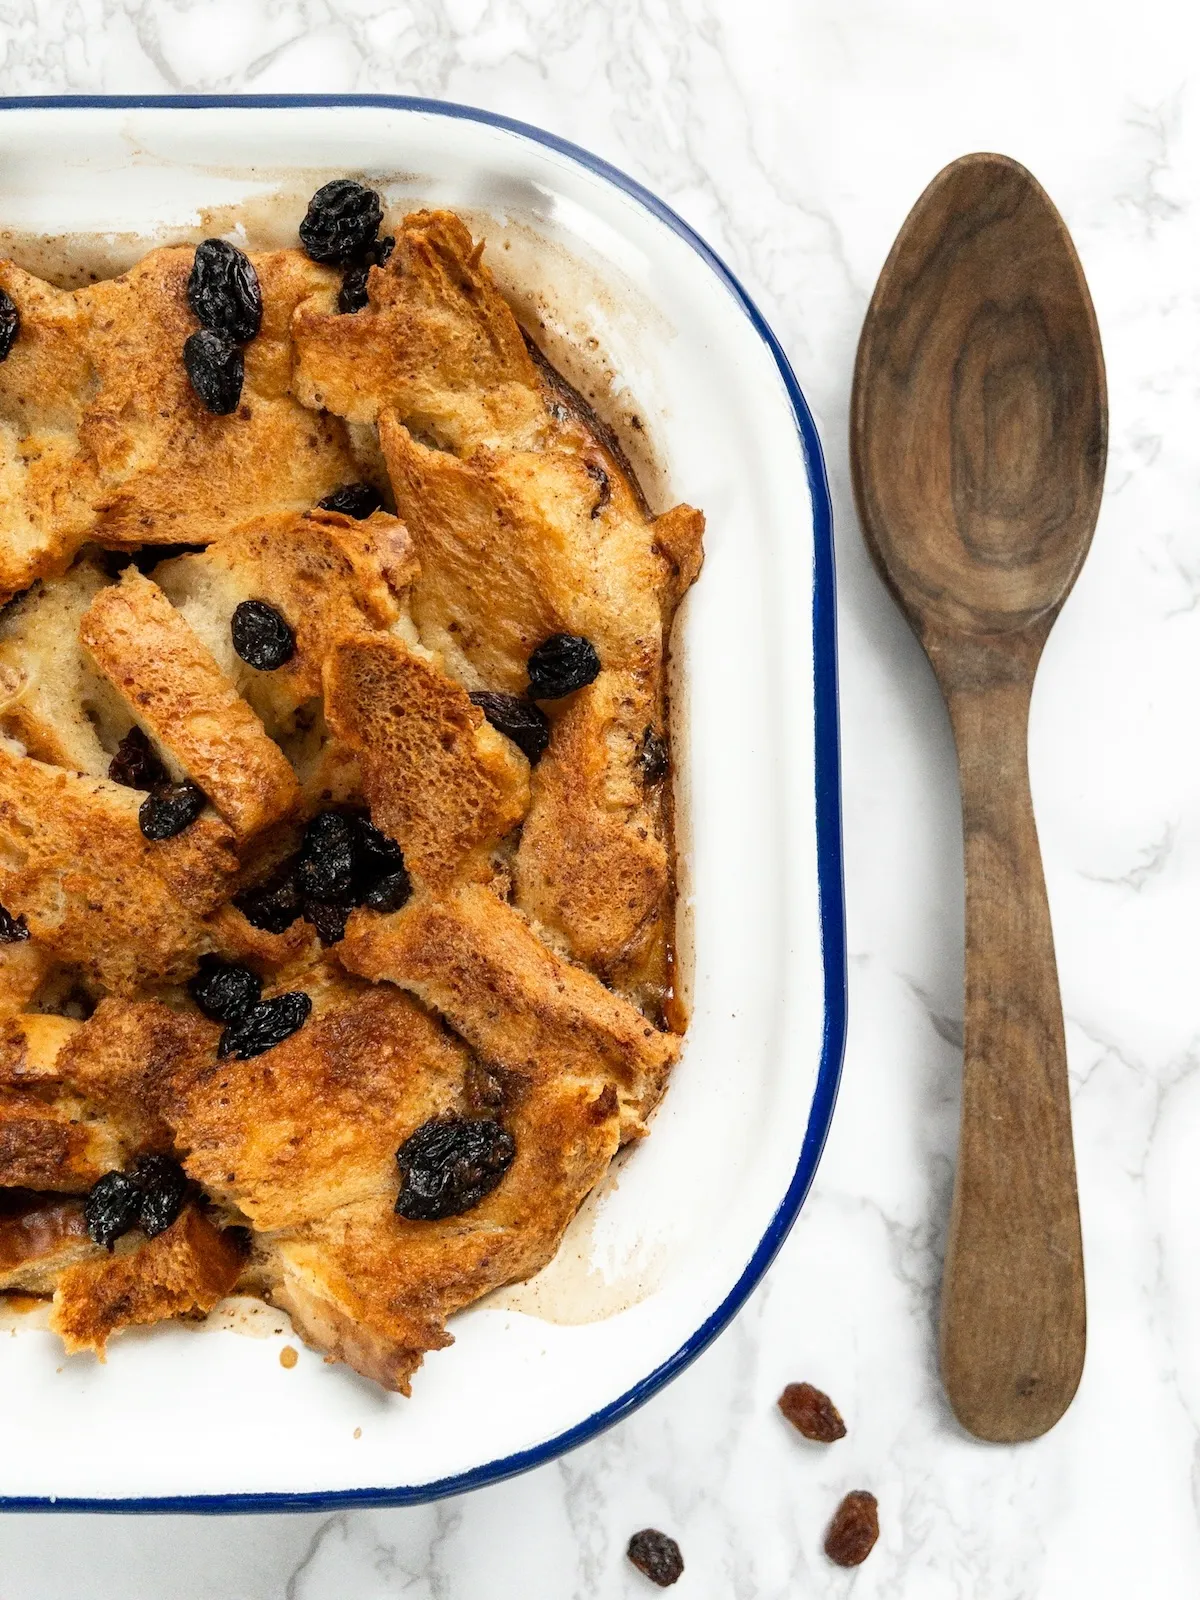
518, 719
274, 905
854, 1529
10, 324
653, 759
223, 991
265, 1025
390, 893
812, 1412
597, 473
342, 220
449, 1164
216, 369
357, 500
352, 296
223, 290
135, 764
325, 869
561, 664
162, 1186
657, 1555
13, 930
328, 919
261, 636
111, 1208
169, 808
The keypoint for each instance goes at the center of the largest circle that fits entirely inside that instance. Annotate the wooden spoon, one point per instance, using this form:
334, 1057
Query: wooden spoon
978, 439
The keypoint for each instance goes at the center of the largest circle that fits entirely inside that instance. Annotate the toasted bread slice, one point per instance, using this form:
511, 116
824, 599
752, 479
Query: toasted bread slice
92, 890
183, 700
39, 1239
437, 343
315, 1122
24, 969
476, 961
51, 1137
374, 1290
181, 1273
438, 778
30, 1046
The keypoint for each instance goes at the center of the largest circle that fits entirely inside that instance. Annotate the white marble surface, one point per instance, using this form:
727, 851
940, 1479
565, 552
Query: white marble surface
795, 136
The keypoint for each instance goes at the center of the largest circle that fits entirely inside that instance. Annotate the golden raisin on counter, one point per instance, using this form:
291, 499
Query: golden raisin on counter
812, 1413
855, 1528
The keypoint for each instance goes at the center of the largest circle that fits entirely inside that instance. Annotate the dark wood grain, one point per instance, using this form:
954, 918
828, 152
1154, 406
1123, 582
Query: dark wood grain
978, 439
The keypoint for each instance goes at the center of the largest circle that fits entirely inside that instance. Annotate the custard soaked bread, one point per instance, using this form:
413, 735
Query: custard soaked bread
336, 860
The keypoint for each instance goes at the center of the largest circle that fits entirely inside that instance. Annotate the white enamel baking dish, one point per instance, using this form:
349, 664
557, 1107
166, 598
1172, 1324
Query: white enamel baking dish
661, 1260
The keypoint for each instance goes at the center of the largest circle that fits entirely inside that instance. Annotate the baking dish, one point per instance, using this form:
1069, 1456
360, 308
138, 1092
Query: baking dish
649, 324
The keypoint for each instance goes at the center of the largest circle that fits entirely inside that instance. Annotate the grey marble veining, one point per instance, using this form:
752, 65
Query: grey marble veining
795, 136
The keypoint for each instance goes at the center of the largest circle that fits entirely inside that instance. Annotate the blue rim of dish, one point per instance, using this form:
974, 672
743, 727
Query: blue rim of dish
829, 842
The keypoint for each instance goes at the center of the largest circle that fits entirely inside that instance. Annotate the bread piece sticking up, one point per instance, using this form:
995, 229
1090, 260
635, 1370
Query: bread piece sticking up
476, 961
180, 696
437, 343
439, 779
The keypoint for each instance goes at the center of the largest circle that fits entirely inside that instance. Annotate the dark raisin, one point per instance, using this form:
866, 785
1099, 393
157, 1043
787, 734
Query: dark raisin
449, 1164
854, 1529
265, 1025
112, 1208
812, 1412
561, 664
216, 369
169, 808
597, 473
342, 219
653, 759
390, 893
657, 1555
223, 290
274, 905
325, 868
352, 296
135, 764
518, 719
261, 636
357, 500
223, 991
376, 853
328, 919
13, 930
10, 324
163, 1186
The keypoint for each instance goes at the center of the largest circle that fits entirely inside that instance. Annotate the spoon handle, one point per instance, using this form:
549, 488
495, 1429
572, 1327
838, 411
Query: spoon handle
1013, 1327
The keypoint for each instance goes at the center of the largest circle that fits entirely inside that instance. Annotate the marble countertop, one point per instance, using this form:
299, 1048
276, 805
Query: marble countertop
795, 137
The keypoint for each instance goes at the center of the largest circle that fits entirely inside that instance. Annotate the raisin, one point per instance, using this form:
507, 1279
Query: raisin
518, 719
342, 220
10, 324
162, 1186
274, 905
135, 764
653, 759
597, 473
223, 991
854, 1529
357, 500
215, 367
561, 664
13, 930
112, 1208
223, 290
812, 1412
657, 1555
352, 296
261, 636
169, 808
390, 893
449, 1164
328, 919
265, 1025
376, 853
325, 869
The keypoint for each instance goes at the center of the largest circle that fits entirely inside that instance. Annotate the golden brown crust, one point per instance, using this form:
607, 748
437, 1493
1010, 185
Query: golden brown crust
24, 969
181, 1273
438, 777
39, 1239
437, 342
183, 700
53, 1145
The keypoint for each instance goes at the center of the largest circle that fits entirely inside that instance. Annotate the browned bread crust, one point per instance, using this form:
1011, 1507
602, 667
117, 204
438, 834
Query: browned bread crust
39, 1239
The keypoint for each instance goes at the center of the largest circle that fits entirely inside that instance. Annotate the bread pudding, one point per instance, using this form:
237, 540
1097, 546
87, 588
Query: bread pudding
336, 858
